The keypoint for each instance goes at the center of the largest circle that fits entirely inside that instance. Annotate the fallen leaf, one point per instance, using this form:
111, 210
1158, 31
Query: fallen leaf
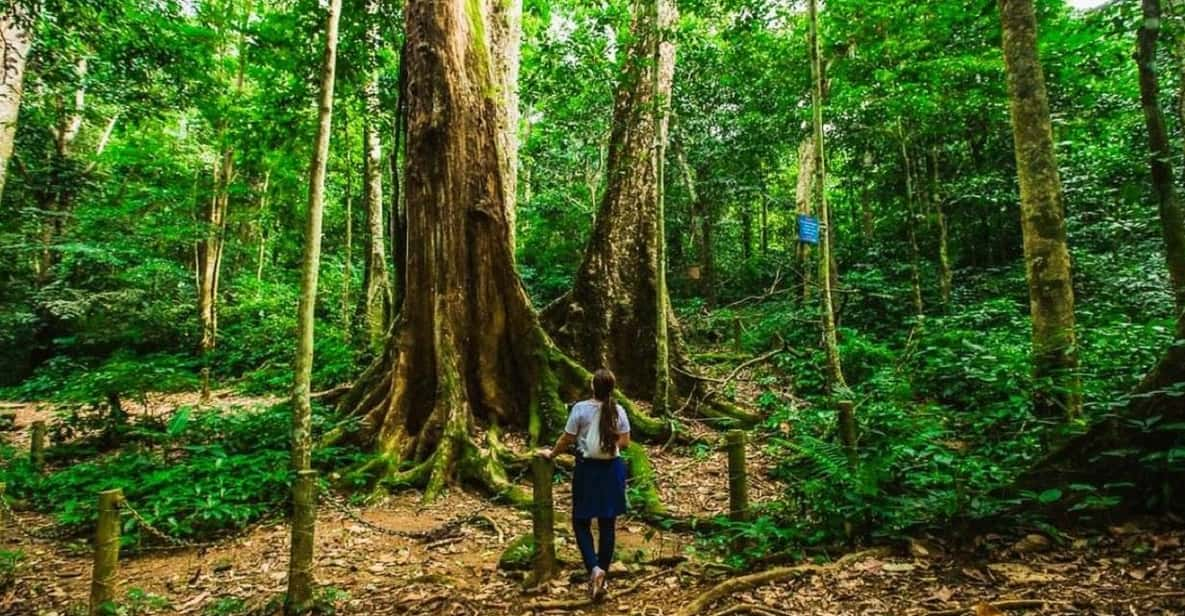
987, 609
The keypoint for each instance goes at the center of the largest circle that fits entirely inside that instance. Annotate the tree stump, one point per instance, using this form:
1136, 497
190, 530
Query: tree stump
104, 583
544, 563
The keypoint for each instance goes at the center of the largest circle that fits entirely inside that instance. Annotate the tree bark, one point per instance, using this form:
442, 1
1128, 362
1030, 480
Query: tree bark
1047, 259
915, 274
1172, 221
16, 38
311, 264
611, 317
467, 355
378, 299
505, 37
835, 376
945, 277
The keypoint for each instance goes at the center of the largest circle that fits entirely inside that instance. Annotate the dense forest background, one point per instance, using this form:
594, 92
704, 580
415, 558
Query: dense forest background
154, 206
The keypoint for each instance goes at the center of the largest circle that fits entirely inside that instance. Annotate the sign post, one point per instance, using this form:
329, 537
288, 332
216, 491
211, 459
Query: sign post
808, 229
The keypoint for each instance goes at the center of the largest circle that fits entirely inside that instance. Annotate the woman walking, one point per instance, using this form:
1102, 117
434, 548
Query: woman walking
600, 430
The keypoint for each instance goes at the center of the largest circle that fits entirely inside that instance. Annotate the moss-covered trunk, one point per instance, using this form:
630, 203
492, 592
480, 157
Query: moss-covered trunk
377, 299
1172, 221
1047, 258
467, 358
611, 317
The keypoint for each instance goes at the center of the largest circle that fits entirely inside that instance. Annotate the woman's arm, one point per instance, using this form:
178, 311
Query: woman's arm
561, 445
623, 440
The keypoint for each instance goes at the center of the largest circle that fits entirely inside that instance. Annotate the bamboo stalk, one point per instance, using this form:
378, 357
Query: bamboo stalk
104, 582
544, 562
738, 476
37, 445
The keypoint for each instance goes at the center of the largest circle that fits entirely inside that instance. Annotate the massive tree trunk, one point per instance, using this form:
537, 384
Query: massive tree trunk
16, 37
611, 317
377, 299
467, 356
505, 37
1171, 219
1047, 258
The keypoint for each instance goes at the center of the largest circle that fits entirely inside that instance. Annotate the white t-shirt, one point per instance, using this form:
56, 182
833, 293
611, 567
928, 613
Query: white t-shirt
584, 422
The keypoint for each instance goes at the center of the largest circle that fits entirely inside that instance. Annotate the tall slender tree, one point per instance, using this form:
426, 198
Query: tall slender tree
1047, 258
1172, 221
377, 299
300, 576
16, 38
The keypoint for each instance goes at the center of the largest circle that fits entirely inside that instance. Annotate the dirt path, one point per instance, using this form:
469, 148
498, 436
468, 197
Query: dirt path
1127, 570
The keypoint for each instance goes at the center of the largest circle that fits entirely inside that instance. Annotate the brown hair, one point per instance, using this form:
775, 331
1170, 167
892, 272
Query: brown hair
602, 383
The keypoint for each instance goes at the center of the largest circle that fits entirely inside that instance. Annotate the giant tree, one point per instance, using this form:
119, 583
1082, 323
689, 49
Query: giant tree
614, 313
1047, 258
467, 357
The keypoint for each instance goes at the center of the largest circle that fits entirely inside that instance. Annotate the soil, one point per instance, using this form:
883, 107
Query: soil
1134, 569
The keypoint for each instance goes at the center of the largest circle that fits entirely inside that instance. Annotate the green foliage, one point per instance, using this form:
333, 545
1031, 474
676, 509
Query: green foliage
10, 565
202, 473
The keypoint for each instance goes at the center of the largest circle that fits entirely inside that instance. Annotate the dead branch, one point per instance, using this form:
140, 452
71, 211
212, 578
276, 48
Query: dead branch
751, 608
747, 582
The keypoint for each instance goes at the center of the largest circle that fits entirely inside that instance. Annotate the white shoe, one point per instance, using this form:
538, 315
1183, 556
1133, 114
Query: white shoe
596, 583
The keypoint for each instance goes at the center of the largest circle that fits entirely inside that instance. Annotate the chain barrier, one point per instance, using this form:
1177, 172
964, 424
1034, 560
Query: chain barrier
47, 534
174, 543
449, 529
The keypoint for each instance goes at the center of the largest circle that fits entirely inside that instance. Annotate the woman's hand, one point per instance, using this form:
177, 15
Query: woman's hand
545, 452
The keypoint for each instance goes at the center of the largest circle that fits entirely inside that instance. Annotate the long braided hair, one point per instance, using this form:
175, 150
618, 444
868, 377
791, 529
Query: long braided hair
603, 383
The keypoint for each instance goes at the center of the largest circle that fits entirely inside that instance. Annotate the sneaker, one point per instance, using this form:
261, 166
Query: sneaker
596, 583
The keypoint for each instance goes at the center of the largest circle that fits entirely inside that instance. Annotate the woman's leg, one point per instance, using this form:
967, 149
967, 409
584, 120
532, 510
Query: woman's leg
582, 528
608, 535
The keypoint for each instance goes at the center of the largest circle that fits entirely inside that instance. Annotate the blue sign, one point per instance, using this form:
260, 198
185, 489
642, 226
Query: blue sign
808, 229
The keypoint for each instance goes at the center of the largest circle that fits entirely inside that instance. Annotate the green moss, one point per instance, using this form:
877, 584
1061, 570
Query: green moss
518, 555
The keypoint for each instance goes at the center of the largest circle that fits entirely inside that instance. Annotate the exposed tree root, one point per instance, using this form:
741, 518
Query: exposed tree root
751, 608
746, 582
1009, 604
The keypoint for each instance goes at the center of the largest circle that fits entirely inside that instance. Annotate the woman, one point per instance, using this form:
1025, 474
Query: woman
600, 430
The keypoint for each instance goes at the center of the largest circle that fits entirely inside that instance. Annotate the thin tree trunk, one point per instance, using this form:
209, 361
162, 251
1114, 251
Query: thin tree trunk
915, 274
60, 198
267, 176
16, 38
347, 305
701, 215
1047, 258
835, 376
397, 209
378, 299
945, 277
764, 225
310, 266
1172, 221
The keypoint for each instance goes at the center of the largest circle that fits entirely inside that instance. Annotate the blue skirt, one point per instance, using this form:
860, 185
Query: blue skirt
598, 488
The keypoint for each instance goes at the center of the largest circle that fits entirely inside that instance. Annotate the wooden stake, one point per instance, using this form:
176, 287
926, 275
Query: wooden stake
3, 486
300, 561
104, 583
738, 477
544, 563
37, 445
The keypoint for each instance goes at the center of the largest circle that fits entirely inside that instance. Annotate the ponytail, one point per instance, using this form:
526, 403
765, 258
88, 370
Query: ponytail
603, 383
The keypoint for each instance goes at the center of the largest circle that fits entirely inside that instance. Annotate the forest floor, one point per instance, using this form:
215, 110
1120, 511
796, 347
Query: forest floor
1133, 569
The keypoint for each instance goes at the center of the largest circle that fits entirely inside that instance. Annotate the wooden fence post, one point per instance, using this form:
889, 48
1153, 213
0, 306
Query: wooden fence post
300, 559
37, 445
543, 563
104, 582
3, 487
738, 477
